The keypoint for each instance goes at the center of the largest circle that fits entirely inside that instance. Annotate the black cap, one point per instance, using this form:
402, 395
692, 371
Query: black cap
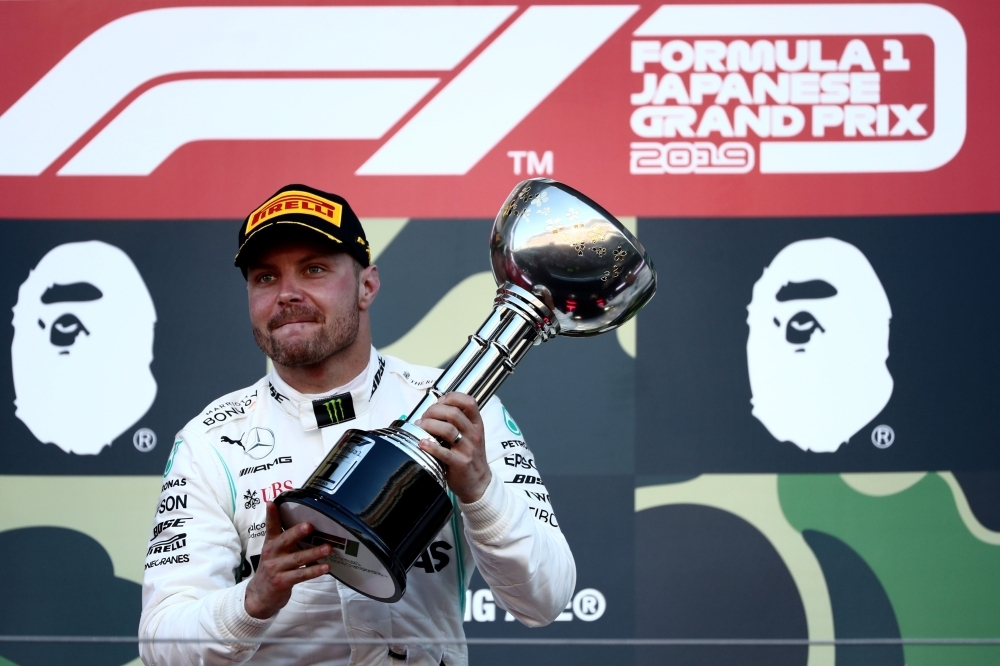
300, 207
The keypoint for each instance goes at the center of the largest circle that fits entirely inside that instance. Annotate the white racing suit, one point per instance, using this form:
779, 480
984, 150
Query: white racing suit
251, 445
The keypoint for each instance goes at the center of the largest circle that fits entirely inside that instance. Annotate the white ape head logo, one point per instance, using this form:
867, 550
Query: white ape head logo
83, 342
819, 339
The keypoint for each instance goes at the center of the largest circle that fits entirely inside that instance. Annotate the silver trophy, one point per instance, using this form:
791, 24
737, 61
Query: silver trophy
564, 266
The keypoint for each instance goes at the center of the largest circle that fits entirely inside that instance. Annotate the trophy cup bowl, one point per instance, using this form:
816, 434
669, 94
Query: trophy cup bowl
563, 266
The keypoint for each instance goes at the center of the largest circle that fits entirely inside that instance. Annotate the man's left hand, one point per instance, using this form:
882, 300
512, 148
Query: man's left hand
455, 416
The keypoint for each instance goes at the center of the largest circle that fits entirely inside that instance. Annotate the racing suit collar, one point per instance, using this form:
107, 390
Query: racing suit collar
301, 406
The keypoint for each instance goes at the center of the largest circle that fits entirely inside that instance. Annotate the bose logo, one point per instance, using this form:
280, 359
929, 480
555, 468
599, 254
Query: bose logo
460, 122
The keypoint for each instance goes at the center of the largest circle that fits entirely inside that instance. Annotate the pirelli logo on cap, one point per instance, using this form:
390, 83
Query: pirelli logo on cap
294, 201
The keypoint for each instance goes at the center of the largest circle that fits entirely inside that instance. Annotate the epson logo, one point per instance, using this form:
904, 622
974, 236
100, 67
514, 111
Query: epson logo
517, 460
172, 502
451, 130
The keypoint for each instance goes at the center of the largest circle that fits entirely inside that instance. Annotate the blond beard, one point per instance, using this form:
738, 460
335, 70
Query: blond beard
333, 337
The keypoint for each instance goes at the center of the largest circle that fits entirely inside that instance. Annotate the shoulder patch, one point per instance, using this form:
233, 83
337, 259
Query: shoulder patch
509, 422
231, 408
417, 376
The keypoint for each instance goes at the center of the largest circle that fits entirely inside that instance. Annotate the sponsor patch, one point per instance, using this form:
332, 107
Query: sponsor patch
333, 410
168, 545
295, 201
281, 460
167, 524
170, 460
229, 410
509, 422
173, 559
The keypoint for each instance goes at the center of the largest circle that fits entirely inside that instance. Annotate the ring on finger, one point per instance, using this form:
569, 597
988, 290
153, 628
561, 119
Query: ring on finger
457, 439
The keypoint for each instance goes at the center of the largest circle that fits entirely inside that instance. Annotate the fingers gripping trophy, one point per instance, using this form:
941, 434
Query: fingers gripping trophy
563, 266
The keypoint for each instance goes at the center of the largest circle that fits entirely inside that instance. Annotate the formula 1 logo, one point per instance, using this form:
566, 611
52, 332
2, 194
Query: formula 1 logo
819, 89
472, 73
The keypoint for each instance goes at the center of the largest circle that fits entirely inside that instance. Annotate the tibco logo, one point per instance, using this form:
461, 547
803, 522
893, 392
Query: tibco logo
587, 605
867, 95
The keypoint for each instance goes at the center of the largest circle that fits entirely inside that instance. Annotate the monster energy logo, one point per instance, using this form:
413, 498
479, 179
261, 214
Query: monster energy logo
333, 410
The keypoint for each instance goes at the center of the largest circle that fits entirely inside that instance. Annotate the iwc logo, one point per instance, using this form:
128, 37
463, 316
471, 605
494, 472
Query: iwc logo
818, 344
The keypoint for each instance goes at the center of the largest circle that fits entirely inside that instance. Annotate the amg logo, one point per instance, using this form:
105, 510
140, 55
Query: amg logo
318, 538
282, 460
168, 545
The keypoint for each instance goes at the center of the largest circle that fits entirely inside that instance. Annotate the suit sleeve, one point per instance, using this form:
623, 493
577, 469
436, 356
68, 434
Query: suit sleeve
190, 587
513, 532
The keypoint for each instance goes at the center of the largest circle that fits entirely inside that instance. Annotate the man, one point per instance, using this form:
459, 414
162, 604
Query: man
220, 569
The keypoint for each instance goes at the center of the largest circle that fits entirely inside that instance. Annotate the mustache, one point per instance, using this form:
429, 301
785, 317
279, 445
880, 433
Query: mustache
295, 313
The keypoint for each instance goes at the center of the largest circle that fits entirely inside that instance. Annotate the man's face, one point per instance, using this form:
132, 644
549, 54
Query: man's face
305, 302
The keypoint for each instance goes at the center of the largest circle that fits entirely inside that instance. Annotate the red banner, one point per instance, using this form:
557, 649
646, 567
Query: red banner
150, 110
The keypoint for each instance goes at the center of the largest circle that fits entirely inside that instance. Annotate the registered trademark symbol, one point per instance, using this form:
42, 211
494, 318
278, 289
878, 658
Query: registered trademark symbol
883, 436
589, 604
144, 440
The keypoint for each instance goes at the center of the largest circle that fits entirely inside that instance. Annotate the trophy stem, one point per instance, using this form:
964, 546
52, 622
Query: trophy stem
519, 320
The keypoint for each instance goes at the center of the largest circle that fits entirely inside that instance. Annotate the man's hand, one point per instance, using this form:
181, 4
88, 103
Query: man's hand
281, 567
455, 416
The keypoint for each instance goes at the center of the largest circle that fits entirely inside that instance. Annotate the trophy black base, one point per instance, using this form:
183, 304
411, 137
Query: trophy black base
376, 503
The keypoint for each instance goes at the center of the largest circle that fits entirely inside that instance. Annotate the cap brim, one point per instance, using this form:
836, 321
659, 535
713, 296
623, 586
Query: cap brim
283, 231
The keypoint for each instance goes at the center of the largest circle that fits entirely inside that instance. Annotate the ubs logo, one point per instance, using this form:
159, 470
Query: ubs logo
818, 343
